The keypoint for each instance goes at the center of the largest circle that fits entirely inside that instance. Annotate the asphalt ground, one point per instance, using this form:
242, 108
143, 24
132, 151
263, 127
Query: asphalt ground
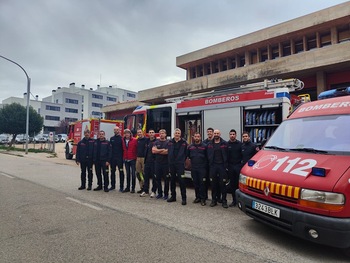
186, 233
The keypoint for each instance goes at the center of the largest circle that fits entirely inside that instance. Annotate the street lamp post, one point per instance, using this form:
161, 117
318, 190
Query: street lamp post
28, 93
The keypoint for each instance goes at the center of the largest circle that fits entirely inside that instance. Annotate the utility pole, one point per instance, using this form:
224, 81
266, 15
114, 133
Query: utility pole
28, 94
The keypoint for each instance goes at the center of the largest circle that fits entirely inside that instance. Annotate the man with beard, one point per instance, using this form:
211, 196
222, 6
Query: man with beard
234, 157
149, 166
217, 157
249, 149
117, 159
197, 153
161, 164
102, 158
210, 136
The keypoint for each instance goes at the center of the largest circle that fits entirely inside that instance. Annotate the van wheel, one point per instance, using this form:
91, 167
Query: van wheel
69, 156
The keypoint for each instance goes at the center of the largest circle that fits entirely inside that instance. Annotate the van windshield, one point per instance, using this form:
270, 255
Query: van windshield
322, 133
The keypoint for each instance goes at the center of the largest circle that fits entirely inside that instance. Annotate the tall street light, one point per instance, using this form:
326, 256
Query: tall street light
28, 93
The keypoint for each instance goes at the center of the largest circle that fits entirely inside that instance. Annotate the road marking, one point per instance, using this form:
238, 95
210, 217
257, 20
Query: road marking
9, 176
86, 204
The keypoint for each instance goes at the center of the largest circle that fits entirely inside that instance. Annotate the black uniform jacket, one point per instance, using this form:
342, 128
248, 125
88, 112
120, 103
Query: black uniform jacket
117, 147
102, 151
198, 155
210, 151
181, 154
85, 150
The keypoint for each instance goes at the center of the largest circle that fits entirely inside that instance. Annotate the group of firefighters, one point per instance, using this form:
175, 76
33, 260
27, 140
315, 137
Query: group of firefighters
213, 162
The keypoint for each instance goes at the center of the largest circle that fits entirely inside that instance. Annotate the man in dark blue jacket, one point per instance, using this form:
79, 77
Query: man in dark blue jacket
249, 149
84, 157
117, 159
217, 157
177, 153
149, 169
197, 153
234, 156
102, 158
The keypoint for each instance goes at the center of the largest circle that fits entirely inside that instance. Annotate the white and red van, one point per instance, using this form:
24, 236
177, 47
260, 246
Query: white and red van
299, 182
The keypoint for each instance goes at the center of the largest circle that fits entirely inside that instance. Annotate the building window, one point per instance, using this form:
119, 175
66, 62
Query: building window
111, 99
253, 57
206, 68
264, 55
299, 46
326, 39
71, 101
97, 105
53, 108
275, 52
214, 67
311, 42
199, 71
97, 96
96, 113
52, 118
232, 63
131, 95
241, 61
344, 34
70, 119
192, 73
71, 110
223, 65
286, 49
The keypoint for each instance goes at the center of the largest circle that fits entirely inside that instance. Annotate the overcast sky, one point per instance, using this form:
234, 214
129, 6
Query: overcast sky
129, 43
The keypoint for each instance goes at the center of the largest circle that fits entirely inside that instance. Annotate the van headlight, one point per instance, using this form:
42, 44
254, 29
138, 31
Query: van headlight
322, 197
242, 179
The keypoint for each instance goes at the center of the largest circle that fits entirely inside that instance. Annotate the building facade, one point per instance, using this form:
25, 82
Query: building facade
314, 48
70, 104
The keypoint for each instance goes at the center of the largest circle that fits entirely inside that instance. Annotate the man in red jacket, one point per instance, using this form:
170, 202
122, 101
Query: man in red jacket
130, 155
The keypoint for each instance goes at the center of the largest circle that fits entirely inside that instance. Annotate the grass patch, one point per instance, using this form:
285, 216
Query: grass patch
7, 148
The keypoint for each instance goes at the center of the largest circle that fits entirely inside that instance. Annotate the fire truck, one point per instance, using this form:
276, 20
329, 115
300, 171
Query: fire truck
257, 108
76, 132
299, 182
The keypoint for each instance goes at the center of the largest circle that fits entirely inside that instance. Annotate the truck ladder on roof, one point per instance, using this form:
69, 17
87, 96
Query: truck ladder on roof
291, 84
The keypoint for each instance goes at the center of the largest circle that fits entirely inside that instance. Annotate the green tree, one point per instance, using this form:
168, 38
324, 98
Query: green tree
13, 120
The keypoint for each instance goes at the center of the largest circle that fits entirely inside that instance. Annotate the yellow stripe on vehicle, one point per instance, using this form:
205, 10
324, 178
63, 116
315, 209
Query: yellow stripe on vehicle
274, 188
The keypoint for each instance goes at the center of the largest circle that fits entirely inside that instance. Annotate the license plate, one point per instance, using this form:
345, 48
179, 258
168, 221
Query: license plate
266, 209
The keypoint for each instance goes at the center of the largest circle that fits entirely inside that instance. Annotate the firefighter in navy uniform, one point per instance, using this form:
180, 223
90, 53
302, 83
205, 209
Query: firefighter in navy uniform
177, 153
217, 157
84, 157
197, 153
249, 149
149, 166
234, 158
210, 136
161, 166
102, 158
117, 159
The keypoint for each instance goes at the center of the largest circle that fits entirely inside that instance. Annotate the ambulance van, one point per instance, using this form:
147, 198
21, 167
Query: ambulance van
299, 182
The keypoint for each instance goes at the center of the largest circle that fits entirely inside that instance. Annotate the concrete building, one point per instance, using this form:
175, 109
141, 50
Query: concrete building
314, 48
